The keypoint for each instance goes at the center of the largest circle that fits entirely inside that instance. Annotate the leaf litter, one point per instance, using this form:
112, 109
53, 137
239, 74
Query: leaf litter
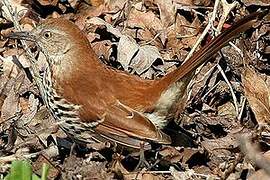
147, 38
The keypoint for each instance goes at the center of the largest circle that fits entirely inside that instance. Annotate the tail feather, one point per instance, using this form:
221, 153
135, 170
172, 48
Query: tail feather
211, 48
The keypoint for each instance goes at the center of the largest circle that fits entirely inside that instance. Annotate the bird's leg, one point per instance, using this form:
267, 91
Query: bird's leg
72, 149
142, 161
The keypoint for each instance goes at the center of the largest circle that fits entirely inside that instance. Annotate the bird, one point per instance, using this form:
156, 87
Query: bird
95, 102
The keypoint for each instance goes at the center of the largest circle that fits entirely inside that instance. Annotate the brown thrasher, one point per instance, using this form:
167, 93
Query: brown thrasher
96, 102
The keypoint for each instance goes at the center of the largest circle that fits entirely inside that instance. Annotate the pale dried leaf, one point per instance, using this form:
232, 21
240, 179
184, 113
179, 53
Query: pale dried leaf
31, 110
131, 55
115, 5
148, 74
127, 47
24, 61
103, 48
16, 4
110, 28
10, 106
260, 174
167, 12
188, 174
258, 2
144, 20
144, 59
258, 95
9, 68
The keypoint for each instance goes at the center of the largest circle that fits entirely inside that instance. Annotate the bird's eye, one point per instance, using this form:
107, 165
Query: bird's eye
47, 34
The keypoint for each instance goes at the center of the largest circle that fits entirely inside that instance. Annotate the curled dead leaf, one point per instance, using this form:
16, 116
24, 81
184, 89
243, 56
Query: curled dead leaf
127, 48
100, 22
139, 58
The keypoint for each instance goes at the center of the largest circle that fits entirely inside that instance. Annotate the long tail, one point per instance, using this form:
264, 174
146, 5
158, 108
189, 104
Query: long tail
210, 49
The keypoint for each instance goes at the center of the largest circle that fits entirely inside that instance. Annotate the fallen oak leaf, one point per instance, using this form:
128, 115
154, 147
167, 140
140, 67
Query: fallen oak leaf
132, 55
258, 95
98, 21
167, 12
127, 48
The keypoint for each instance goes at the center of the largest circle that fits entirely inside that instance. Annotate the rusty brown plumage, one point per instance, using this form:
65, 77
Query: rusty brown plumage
96, 101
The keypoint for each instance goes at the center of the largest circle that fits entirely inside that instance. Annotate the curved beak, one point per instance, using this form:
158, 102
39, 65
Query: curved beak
23, 35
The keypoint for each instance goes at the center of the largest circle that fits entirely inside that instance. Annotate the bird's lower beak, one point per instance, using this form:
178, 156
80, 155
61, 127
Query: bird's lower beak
23, 35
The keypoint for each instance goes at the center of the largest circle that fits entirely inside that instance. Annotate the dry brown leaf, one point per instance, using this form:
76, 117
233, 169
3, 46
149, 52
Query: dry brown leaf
95, 3
143, 175
127, 48
30, 110
43, 125
115, 5
100, 22
139, 58
85, 168
10, 106
48, 2
87, 12
227, 110
182, 34
148, 22
37, 166
258, 95
173, 155
103, 48
167, 12
9, 68
258, 2
260, 174
9, 84
16, 4
144, 59
144, 20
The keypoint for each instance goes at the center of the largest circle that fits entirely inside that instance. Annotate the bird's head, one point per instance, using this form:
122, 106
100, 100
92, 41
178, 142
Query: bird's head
56, 38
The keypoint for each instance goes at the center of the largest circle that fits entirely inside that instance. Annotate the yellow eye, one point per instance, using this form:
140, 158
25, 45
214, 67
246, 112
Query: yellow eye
47, 34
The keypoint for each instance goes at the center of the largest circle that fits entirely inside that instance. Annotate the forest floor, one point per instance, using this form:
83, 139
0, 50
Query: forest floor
225, 115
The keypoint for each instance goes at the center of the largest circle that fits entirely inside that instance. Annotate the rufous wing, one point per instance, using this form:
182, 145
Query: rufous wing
128, 127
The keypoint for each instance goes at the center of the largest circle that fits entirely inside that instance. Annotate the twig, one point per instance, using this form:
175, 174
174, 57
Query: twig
211, 89
242, 109
33, 68
205, 75
237, 49
230, 87
226, 10
152, 40
13, 157
190, 174
207, 28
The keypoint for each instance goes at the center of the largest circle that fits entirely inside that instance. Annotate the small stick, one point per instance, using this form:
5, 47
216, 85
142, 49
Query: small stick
209, 25
230, 87
33, 68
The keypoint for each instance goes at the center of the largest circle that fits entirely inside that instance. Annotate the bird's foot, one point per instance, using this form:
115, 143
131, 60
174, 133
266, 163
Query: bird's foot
142, 161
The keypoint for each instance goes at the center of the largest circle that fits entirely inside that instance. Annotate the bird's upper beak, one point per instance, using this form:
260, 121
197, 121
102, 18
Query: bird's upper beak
23, 35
